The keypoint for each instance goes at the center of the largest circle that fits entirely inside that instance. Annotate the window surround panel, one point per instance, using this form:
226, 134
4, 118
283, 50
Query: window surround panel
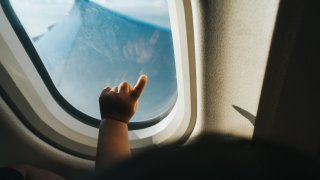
176, 126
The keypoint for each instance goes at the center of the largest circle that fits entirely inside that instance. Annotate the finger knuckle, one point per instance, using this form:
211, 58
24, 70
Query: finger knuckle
124, 84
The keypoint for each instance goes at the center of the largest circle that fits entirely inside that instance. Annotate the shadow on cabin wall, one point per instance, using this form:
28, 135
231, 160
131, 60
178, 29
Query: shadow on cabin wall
289, 106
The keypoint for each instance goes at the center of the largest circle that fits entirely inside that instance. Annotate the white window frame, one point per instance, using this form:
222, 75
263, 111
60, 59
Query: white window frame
178, 125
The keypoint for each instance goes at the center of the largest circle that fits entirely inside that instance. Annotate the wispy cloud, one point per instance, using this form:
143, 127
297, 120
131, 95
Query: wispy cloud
139, 51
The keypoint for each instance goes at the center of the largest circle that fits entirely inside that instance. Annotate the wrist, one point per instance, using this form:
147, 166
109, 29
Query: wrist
112, 126
122, 117
112, 122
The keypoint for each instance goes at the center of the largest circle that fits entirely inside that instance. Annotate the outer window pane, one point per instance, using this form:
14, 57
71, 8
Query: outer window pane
85, 45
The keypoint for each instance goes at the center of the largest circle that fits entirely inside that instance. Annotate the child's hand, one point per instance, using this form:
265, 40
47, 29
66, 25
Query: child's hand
121, 102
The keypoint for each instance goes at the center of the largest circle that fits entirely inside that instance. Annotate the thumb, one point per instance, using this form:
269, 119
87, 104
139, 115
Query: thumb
139, 87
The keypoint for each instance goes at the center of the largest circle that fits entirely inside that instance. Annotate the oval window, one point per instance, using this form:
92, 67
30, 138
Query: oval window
87, 44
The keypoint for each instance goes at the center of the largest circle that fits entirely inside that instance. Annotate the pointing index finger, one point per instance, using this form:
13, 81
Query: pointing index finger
139, 87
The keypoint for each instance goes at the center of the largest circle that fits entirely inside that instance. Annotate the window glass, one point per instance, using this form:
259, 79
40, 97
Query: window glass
85, 45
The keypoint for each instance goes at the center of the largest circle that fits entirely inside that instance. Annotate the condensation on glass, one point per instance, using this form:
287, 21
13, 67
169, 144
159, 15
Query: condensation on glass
86, 45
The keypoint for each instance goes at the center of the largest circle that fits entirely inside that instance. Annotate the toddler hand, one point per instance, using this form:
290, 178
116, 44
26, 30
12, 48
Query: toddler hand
121, 102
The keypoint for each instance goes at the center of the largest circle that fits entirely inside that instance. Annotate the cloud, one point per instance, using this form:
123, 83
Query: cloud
139, 51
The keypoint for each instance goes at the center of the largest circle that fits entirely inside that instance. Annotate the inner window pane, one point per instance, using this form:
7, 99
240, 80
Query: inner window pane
86, 45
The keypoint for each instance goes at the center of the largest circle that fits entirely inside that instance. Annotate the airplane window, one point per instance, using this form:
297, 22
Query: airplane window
87, 44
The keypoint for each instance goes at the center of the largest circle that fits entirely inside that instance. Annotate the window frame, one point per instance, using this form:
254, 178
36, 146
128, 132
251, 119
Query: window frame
178, 125
44, 74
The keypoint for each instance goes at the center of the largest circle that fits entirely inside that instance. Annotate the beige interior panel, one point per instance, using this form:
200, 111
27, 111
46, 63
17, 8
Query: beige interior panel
236, 37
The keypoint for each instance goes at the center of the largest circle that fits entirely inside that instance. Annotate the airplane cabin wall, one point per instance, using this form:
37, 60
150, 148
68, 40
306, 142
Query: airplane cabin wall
232, 45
